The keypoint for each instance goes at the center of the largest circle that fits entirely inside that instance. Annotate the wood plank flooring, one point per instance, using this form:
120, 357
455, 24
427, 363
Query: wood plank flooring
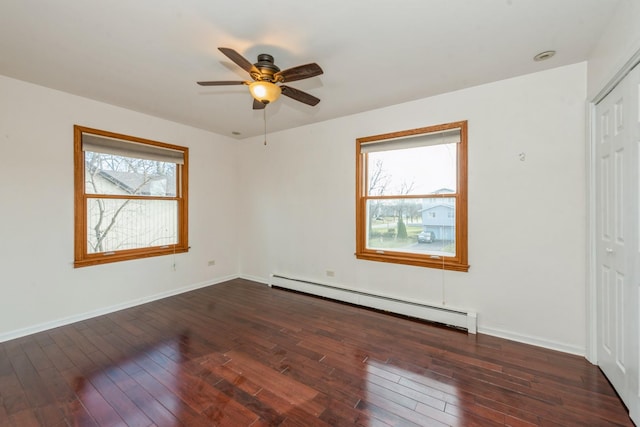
243, 354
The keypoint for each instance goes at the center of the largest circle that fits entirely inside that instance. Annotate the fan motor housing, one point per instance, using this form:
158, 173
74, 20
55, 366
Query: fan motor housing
266, 66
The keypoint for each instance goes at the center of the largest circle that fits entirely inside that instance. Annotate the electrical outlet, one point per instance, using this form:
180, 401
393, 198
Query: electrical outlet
331, 273
211, 262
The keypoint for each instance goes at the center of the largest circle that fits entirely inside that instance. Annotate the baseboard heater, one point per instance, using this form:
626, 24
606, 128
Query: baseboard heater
439, 314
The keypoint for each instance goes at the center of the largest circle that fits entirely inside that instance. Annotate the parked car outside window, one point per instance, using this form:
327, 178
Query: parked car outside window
426, 237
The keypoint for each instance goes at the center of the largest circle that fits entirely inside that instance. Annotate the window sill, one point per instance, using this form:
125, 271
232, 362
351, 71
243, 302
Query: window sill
401, 258
104, 258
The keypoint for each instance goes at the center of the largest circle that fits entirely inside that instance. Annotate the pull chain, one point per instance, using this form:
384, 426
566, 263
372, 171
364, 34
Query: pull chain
264, 115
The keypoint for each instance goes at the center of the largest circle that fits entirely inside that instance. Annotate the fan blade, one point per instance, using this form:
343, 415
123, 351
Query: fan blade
300, 72
257, 105
222, 83
240, 60
299, 95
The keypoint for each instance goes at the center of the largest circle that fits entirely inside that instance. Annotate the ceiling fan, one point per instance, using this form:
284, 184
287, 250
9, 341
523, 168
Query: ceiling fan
267, 77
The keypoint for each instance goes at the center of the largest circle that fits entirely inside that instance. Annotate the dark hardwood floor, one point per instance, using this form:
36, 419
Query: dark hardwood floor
242, 354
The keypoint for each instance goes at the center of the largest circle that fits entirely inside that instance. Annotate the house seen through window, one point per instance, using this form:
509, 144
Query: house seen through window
131, 197
411, 197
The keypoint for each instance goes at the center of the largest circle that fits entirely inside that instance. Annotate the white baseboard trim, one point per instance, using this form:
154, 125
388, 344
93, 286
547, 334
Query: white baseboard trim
531, 340
509, 335
7, 336
255, 279
460, 318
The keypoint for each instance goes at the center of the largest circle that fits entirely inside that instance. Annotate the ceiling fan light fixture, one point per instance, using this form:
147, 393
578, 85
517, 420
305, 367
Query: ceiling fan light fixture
265, 92
265, 75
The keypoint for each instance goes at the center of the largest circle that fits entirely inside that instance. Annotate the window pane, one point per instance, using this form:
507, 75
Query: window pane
423, 226
112, 174
118, 224
413, 171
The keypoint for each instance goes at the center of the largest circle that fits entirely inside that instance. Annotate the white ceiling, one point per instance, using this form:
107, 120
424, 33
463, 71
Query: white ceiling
146, 55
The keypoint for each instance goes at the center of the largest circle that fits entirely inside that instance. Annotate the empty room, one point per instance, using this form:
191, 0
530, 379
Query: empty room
380, 213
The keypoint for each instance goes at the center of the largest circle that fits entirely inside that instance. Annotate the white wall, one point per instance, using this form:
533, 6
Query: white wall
526, 219
288, 207
38, 285
616, 46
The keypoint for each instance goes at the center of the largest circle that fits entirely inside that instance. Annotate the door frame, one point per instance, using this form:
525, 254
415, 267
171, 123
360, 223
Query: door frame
591, 294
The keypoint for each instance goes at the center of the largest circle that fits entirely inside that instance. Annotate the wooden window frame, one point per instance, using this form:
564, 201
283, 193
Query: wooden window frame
81, 255
459, 262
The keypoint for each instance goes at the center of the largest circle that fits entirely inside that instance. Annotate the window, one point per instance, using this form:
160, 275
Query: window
130, 197
411, 201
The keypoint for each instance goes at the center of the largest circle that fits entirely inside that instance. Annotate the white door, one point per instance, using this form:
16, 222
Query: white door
633, 385
617, 250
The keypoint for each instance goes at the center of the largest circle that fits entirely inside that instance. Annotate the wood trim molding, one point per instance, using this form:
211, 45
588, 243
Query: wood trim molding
81, 256
459, 262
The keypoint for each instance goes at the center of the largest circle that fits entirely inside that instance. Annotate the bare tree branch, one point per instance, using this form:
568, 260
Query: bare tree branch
105, 162
378, 179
